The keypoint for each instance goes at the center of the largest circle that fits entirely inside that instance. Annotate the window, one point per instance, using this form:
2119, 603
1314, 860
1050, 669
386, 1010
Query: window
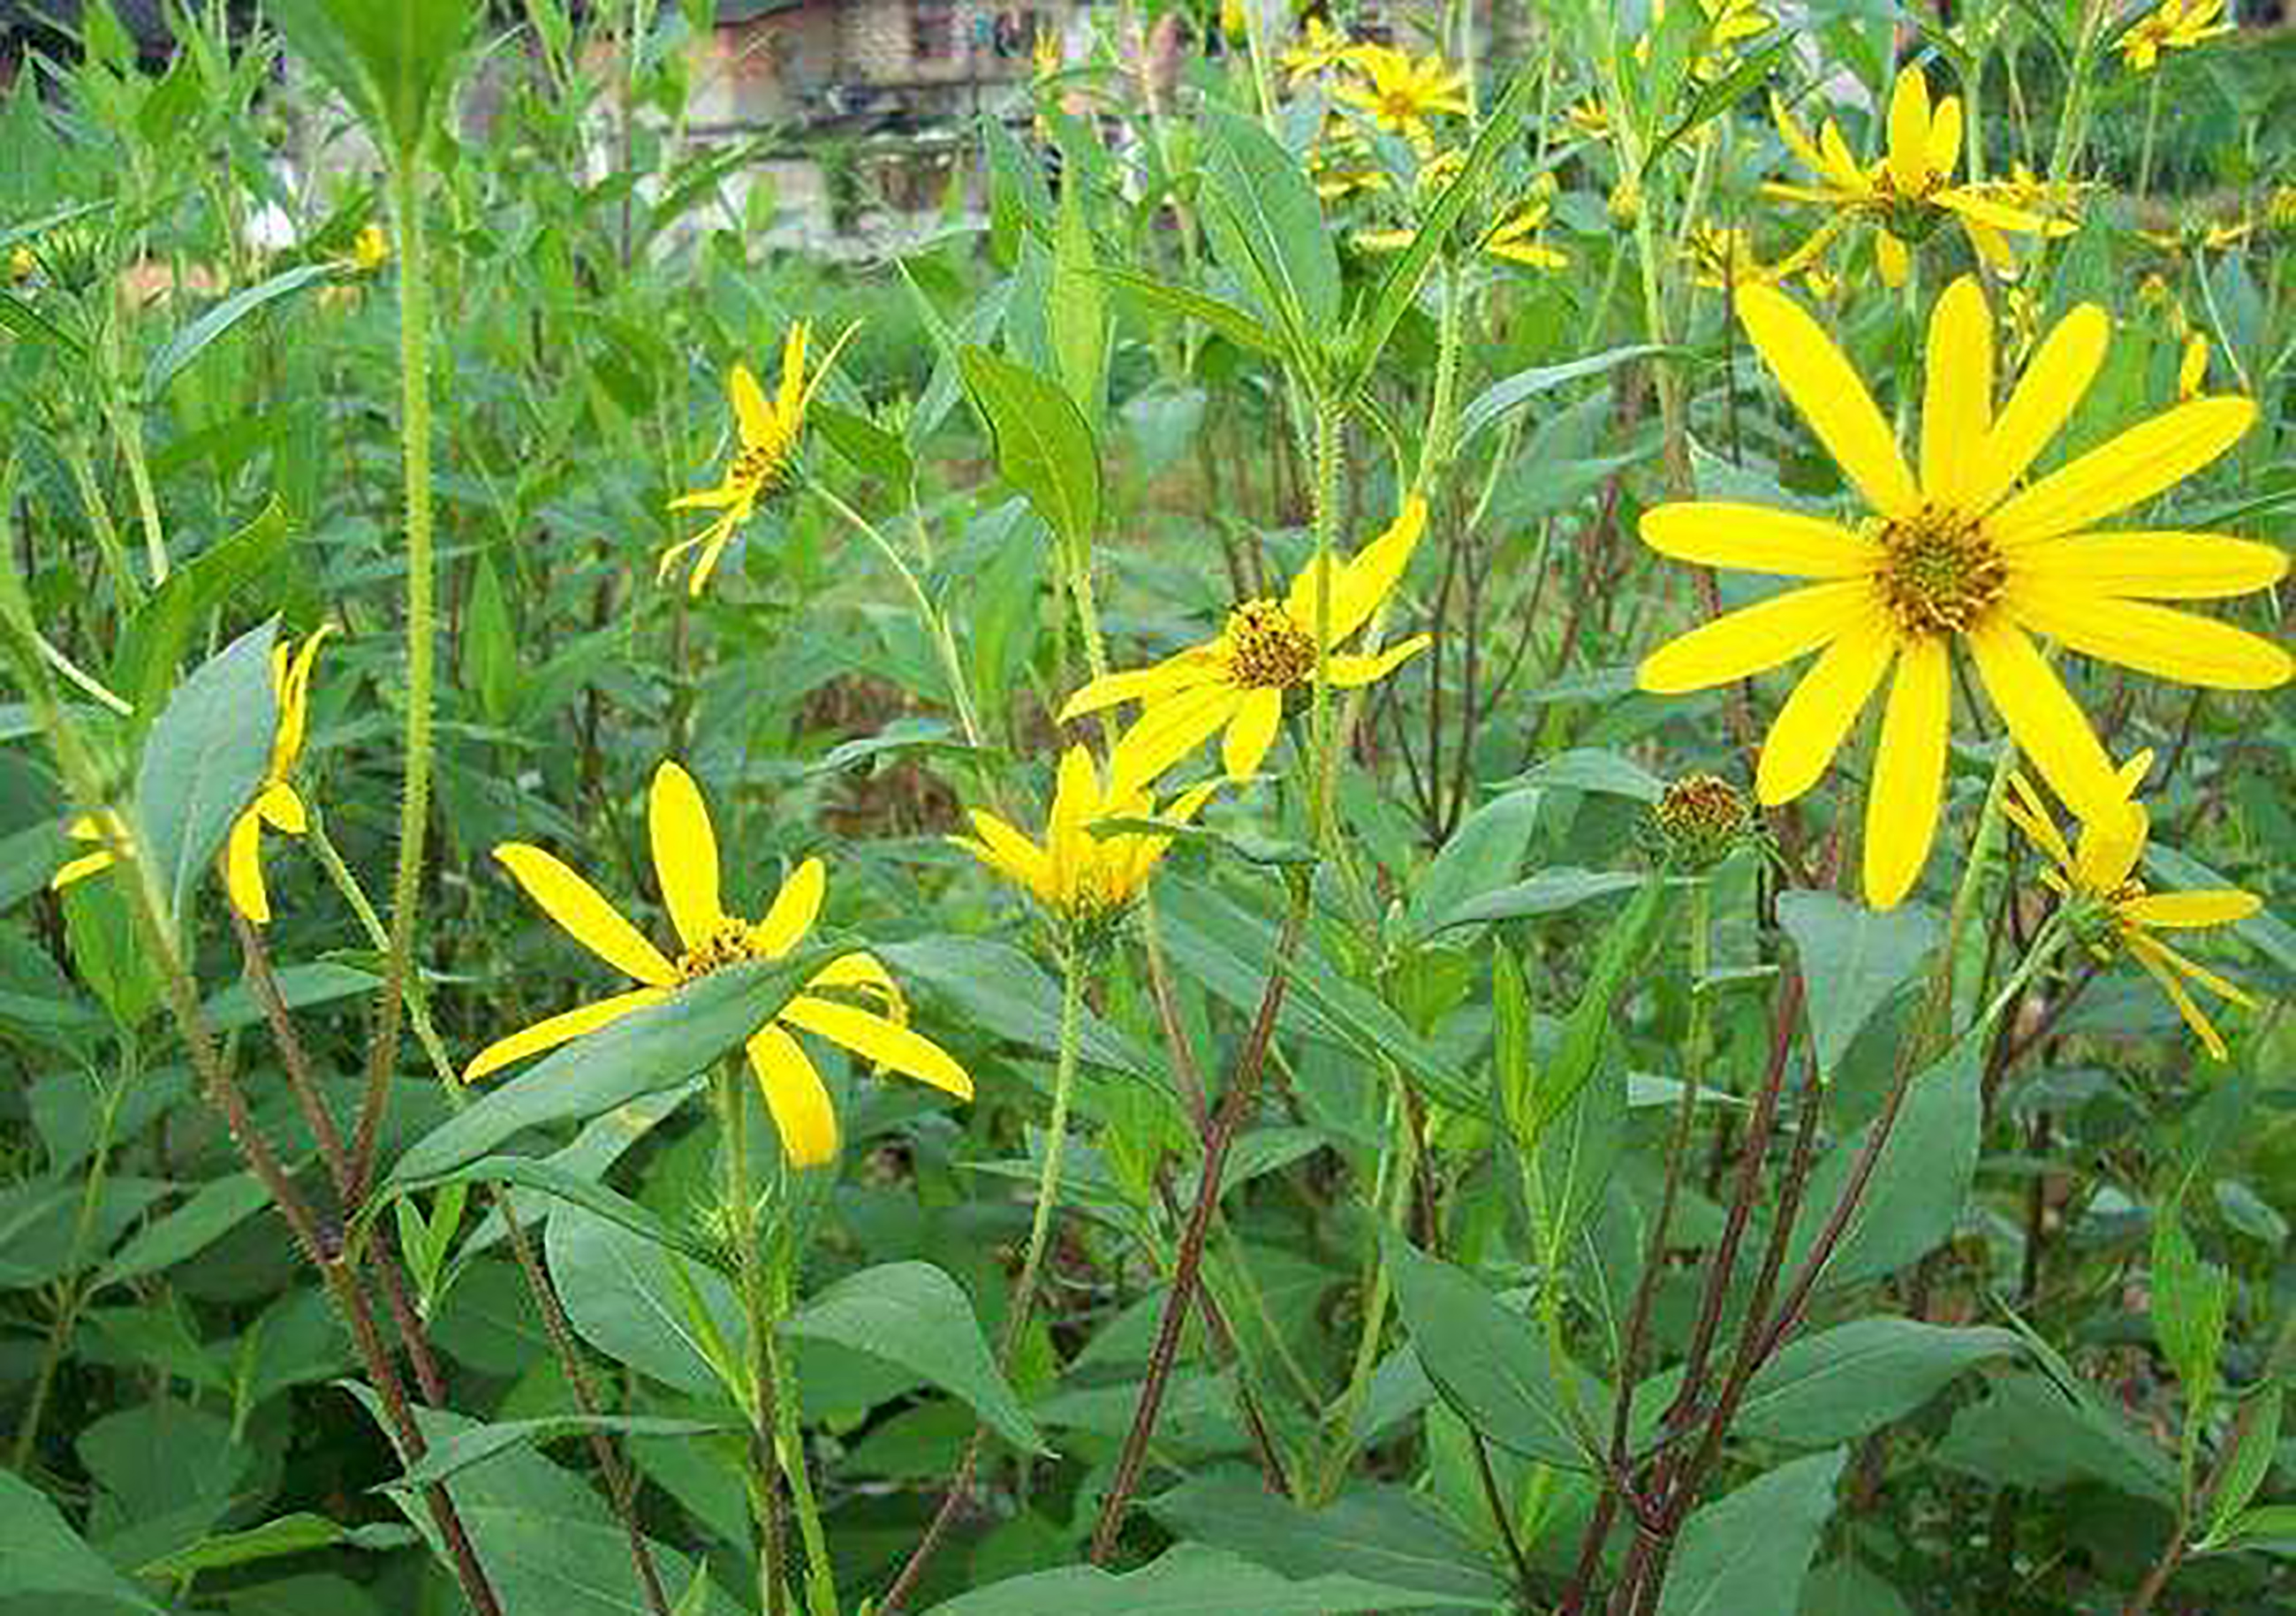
932, 29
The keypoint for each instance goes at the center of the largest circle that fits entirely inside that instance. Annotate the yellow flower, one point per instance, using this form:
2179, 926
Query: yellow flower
1906, 192
2193, 236
370, 249
1958, 558
1081, 880
1515, 237
21, 265
1315, 53
1269, 648
1590, 117
1729, 23
1044, 54
2174, 25
276, 802
767, 460
1401, 93
2280, 207
685, 863
2113, 911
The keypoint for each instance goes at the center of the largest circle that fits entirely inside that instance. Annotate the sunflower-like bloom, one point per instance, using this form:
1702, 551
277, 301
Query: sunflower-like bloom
852, 1001
764, 464
1958, 558
1083, 882
1906, 192
2112, 910
275, 803
1401, 93
1515, 237
1315, 53
1268, 650
2173, 25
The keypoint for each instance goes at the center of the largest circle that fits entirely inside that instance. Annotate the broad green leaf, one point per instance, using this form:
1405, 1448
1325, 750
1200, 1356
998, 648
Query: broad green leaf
2191, 1298
557, 1182
1749, 1550
149, 1501
1235, 324
1004, 991
913, 1315
1187, 1580
393, 62
1593, 768
1043, 446
187, 344
646, 1307
300, 985
477, 1444
651, 1049
1501, 398
1487, 1363
1382, 1534
1841, 1383
1078, 314
1548, 892
1586, 1032
295, 1534
861, 441
202, 762
1266, 227
1852, 959
46, 1560
2272, 1524
2027, 1433
2256, 1443
217, 1208
1919, 1181
1484, 852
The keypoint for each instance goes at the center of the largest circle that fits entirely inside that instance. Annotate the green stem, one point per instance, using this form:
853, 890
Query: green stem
108, 543
2152, 127
928, 616
1378, 1291
1330, 454
1048, 1177
763, 1471
417, 996
820, 1582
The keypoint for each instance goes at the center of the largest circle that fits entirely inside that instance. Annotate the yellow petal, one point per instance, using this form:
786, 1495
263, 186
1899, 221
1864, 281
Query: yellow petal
2138, 463
2181, 911
1197, 666
1007, 851
1754, 639
1957, 409
1831, 398
586, 915
2047, 723
792, 392
2152, 956
1945, 138
563, 1028
1358, 587
886, 1042
1251, 731
2024, 809
794, 1095
1893, 259
295, 703
281, 808
2112, 841
2158, 640
684, 854
865, 974
2162, 564
1811, 725
1346, 669
2052, 385
752, 413
1901, 805
1170, 730
2191, 968
242, 868
1756, 539
795, 908
80, 868
1909, 132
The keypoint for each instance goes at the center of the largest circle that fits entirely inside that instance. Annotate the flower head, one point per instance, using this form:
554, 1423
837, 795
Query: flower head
1957, 558
2112, 910
1702, 820
1515, 237
2173, 25
852, 1001
1907, 191
766, 461
370, 249
1728, 24
1401, 93
1083, 881
1268, 650
1315, 53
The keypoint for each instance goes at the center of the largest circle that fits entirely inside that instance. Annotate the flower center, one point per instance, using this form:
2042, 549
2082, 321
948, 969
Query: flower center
1266, 650
1939, 572
1399, 107
762, 466
729, 944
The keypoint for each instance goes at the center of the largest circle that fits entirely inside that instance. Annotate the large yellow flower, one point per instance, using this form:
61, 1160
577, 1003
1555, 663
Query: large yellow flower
1957, 557
275, 803
1909, 190
2112, 906
2173, 25
685, 864
1082, 879
1268, 650
1401, 93
767, 460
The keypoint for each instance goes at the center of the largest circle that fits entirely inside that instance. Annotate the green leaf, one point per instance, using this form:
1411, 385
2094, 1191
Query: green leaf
2273, 1525
300, 985
1841, 1383
1235, 324
1751, 1549
187, 344
2191, 1298
1382, 1534
1587, 1033
1043, 446
295, 1534
2256, 1444
393, 62
645, 1306
1266, 224
1919, 1181
205, 757
1488, 1364
861, 441
1486, 851
217, 1208
477, 1444
1078, 314
913, 1315
46, 1560
1004, 992
528, 1172
26, 321
650, 1048
2029, 1432
1719, 97
1502, 397
1852, 959
1593, 768
1548, 892
1187, 1580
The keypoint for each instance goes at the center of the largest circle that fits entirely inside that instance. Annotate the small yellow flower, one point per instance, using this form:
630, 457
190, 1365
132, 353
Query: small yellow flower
2280, 207
1083, 882
1906, 192
1401, 93
1721, 258
370, 249
685, 863
1315, 53
1729, 24
275, 803
2174, 25
1044, 54
1515, 236
1269, 648
2194, 236
765, 464
1962, 557
21, 265
1590, 117
2113, 911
